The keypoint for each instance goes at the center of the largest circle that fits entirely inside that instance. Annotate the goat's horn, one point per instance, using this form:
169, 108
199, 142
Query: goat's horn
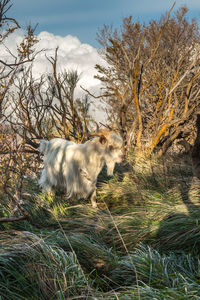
100, 133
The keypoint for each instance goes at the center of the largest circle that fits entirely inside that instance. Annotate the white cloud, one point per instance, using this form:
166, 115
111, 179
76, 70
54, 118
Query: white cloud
72, 55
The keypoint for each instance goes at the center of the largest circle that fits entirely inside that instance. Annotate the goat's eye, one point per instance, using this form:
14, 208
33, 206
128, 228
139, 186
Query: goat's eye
111, 148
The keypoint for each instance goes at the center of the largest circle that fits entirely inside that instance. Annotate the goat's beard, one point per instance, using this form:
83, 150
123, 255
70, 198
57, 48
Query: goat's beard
110, 168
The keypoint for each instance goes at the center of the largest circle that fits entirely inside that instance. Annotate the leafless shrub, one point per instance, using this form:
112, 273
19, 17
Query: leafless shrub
152, 80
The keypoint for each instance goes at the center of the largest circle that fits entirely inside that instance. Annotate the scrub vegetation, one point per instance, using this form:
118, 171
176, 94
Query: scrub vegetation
143, 241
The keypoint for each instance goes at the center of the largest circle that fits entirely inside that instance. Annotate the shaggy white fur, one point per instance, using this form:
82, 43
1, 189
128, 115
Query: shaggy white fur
74, 167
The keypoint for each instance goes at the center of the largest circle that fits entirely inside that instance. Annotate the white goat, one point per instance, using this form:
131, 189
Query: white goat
74, 167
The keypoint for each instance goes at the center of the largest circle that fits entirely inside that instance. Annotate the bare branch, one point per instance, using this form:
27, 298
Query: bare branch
13, 219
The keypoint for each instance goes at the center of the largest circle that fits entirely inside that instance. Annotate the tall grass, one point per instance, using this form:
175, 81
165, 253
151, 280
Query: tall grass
32, 269
142, 243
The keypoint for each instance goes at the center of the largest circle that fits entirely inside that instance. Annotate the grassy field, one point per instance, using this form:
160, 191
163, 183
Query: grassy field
142, 243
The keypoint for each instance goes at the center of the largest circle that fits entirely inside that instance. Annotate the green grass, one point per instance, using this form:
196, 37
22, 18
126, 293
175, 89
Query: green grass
32, 269
142, 243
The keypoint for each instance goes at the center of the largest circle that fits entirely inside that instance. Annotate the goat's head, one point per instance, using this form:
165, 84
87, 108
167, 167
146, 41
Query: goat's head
112, 144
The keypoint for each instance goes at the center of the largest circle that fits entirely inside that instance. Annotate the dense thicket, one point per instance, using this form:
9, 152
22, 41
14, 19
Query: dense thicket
151, 81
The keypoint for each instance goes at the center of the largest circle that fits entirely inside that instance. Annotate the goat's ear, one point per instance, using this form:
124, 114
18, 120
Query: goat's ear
102, 139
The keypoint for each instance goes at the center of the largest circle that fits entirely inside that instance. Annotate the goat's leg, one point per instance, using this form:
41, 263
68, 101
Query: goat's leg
93, 199
44, 182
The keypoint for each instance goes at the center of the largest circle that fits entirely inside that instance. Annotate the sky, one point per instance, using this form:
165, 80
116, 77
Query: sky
72, 25
83, 18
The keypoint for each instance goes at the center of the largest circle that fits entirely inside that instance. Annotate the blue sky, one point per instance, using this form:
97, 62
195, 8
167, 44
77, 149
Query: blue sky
82, 18
72, 26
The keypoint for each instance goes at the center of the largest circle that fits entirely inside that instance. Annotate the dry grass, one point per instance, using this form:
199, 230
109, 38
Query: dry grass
142, 242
